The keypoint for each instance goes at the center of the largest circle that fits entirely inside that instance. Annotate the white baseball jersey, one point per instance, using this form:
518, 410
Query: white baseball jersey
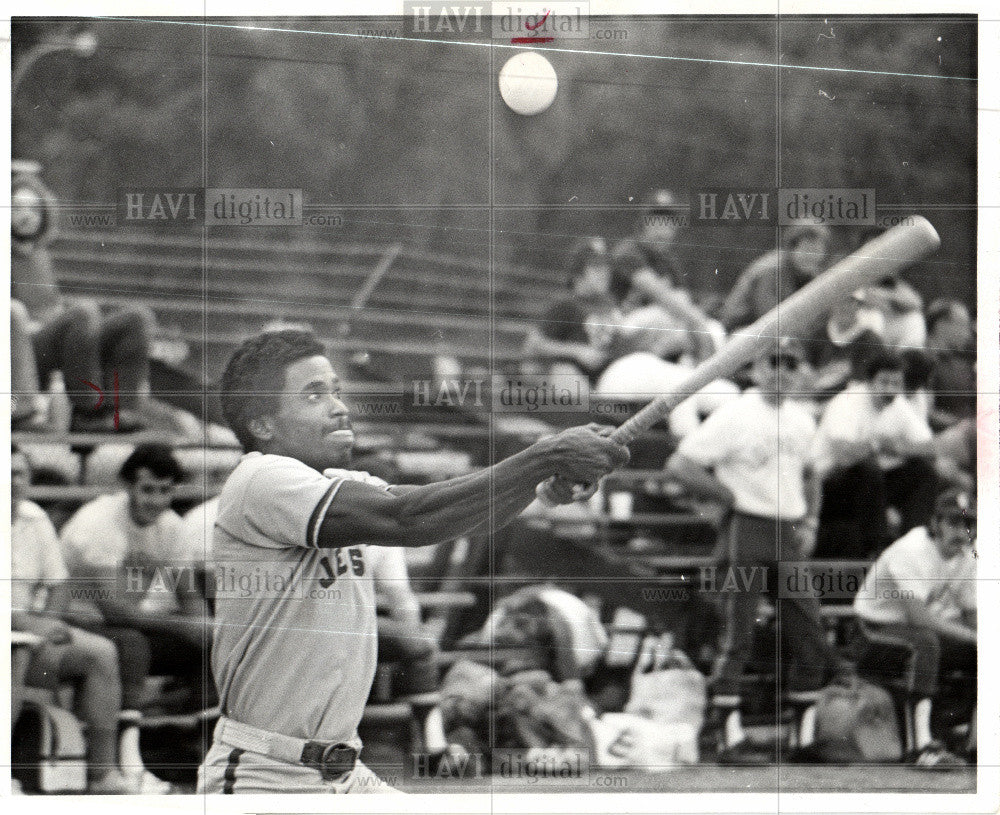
295, 640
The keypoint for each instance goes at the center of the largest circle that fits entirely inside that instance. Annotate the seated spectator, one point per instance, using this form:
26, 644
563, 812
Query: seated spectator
776, 275
901, 311
129, 545
662, 320
72, 336
873, 451
576, 333
402, 639
953, 381
91, 662
582, 333
652, 247
920, 597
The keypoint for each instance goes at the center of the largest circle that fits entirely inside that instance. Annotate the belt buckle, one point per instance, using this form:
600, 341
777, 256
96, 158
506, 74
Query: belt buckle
336, 761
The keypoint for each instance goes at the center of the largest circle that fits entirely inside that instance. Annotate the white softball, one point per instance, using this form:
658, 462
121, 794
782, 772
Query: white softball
528, 83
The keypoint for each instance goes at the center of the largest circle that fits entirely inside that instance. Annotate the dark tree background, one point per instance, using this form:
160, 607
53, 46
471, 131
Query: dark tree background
392, 125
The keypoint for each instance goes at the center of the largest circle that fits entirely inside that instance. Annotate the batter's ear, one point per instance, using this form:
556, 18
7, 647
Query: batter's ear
262, 428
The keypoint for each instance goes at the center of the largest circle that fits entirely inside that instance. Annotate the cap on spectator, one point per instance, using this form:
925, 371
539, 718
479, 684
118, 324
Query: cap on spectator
955, 503
662, 201
586, 251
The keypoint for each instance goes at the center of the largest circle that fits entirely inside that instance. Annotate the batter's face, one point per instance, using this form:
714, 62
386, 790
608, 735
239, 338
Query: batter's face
312, 423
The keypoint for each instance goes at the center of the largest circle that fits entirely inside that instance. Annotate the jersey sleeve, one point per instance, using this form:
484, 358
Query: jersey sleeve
282, 506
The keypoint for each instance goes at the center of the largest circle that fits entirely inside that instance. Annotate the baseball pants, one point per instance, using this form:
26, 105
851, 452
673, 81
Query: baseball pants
230, 770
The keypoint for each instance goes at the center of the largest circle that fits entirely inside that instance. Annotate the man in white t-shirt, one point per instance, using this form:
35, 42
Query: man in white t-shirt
753, 456
39, 595
920, 597
873, 451
128, 546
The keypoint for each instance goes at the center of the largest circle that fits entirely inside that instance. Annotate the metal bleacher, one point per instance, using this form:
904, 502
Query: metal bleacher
212, 294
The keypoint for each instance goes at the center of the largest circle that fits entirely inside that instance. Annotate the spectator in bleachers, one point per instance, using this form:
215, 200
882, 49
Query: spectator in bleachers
901, 310
651, 286
402, 639
577, 332
652, 247
72, 336
753, 456
919, 598
874, 451
586, 331
802, 254
953, 382
662, 320
39, 594
129, 545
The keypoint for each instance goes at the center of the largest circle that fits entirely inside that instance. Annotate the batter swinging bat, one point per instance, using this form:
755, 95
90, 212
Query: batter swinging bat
889, 253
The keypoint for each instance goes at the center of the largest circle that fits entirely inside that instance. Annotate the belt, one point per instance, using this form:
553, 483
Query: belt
334, 760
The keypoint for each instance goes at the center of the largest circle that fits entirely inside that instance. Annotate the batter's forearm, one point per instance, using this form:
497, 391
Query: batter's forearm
446, 510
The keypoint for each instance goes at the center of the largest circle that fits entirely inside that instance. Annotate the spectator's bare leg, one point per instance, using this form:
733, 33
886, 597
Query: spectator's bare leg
69, 344
23, 369
94, 660
125, 340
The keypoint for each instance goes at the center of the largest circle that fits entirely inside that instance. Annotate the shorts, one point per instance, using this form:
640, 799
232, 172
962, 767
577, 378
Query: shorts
232, 771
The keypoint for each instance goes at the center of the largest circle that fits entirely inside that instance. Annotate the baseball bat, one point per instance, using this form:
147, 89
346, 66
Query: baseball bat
885, 255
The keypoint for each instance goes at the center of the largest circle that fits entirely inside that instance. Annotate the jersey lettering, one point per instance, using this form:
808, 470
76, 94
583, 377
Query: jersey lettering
330, 578
357, 565
357, 561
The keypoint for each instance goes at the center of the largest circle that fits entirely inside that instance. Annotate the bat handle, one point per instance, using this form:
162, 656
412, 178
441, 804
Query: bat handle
546, 491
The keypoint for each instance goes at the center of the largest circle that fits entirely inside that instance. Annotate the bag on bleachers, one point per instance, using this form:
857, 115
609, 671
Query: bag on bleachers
49, 752
856, 723
666, 687
629, 740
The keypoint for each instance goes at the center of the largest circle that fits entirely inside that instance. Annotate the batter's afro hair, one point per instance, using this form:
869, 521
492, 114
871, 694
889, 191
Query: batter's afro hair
255, 376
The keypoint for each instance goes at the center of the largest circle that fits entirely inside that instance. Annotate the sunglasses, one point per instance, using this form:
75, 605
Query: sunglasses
789, 363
